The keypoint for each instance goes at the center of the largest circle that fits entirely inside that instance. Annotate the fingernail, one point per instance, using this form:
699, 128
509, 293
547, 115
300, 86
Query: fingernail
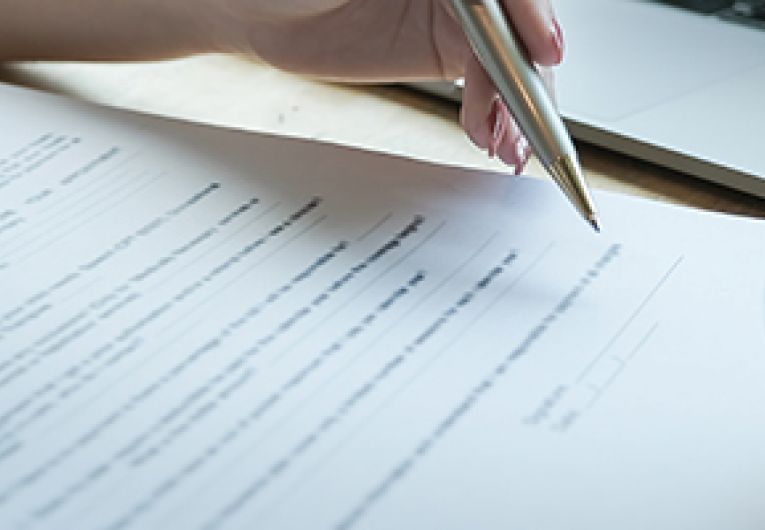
497, 128
520, 150
523, 152
557, 36
509, 155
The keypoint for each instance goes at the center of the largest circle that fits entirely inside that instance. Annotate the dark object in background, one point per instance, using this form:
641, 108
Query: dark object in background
750, 12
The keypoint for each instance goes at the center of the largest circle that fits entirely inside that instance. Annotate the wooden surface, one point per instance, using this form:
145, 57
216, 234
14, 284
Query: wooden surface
240, 93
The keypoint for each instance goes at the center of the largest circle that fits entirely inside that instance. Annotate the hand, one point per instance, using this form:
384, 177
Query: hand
395, 40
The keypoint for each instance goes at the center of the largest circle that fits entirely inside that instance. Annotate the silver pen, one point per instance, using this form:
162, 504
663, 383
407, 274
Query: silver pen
498, 48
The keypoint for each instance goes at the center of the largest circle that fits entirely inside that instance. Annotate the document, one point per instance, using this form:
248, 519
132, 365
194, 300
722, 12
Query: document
212, 329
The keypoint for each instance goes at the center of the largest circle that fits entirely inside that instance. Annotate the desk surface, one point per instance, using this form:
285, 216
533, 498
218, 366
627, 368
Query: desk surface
239, 93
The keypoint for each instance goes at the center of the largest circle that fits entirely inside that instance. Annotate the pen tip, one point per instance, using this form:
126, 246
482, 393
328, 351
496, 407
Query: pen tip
594, 223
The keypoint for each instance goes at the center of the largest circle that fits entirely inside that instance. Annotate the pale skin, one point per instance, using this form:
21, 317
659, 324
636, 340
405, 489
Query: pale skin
347, 40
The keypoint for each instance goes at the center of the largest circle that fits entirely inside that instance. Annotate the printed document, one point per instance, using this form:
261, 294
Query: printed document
212, 329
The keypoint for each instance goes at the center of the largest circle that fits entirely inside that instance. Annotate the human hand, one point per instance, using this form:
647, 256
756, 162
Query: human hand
395, 40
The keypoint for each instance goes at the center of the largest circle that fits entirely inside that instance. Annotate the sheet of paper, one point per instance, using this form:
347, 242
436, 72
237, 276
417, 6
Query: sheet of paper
207, 329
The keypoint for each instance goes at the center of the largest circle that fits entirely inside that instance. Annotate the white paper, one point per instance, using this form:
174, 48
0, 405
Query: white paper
211, 329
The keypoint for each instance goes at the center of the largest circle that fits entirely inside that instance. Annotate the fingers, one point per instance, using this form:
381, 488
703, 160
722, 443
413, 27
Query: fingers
537, 27
484, 117
487, 121
477, 103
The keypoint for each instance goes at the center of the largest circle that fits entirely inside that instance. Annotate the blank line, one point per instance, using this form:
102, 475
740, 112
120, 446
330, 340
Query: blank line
604, 387
375, 227
643, 342
83, 288
629, 321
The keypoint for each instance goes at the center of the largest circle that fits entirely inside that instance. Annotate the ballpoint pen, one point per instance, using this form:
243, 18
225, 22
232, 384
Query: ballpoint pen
518, 83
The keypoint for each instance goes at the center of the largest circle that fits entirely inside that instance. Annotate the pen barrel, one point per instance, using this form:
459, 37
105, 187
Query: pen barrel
519, 84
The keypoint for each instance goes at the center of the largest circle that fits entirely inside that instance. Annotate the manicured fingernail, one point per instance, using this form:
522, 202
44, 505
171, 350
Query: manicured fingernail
520, 151
496, 119
509, 155
523, 152
557, 36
